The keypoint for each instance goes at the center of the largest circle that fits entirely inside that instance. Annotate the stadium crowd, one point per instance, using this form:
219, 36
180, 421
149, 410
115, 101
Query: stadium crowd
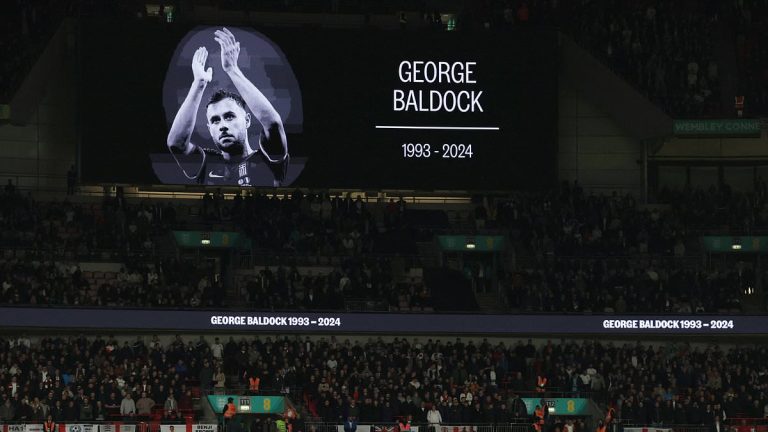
752, 53
25, 27
356, 280
664, 48
575, 252
627, 285
63, 229
318, 223
83, 378
173, 284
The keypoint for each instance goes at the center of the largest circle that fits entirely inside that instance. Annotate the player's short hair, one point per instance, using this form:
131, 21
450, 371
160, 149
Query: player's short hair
221, 94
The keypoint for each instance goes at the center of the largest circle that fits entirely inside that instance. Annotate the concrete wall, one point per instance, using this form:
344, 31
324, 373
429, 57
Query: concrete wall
38, 150
593, 149
714, 148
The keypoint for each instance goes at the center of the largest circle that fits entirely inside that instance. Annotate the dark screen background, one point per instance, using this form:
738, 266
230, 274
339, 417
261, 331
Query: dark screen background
346, 79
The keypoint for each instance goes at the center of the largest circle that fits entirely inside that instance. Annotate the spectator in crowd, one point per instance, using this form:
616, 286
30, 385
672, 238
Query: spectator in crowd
7, 411
127, 406
434, 418
86, 410
144, 405
171, 407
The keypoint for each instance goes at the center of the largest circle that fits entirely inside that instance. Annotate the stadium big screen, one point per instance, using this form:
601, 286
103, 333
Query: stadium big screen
208, 105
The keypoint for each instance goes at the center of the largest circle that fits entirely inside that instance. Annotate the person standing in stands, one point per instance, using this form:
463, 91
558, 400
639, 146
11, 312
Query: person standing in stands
229, 413
71, 180
206, 377
171, 407
254, 382
434, 418
350, 425
7, 411
538, 418
601, 426
404, 424
220, 378
281, 425
541, 384
49, 425
128, 406
144, 405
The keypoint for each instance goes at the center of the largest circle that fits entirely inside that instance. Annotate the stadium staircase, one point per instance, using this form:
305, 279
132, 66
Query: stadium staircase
636, 114
51, 61
755, 304
595, 412
429, 253
165, 245
206, 410
451, 291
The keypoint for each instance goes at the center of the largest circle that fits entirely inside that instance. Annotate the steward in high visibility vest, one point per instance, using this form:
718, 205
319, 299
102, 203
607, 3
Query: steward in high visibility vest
229, 409
601, 427
538, 418
404, 425
49, 425
253, 384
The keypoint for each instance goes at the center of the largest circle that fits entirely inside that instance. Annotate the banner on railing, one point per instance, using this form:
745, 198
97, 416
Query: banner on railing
21, 427
12, 428
115, 427
375, 428
107, 427
464, 428
82, 427
646, 429
360, 428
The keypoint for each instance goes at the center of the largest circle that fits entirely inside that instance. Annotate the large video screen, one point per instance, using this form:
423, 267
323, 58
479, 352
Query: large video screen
302, 107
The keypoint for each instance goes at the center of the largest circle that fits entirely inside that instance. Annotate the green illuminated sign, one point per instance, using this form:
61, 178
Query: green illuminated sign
735, 244
562, 406
722, 127
249, 404
480, 243
211, 239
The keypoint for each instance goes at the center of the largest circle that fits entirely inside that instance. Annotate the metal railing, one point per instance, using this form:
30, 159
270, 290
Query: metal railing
68, 253
518, 426
287, 258
621, 427
740, 424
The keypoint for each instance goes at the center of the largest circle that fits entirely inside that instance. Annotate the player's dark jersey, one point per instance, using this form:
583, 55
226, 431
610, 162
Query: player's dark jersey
254, 170
231, 172
248, 171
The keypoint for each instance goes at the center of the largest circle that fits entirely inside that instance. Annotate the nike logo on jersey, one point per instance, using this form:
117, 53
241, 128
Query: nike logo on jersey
214, 175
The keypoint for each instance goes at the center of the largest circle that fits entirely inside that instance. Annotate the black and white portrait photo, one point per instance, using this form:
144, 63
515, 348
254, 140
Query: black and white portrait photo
231, 100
